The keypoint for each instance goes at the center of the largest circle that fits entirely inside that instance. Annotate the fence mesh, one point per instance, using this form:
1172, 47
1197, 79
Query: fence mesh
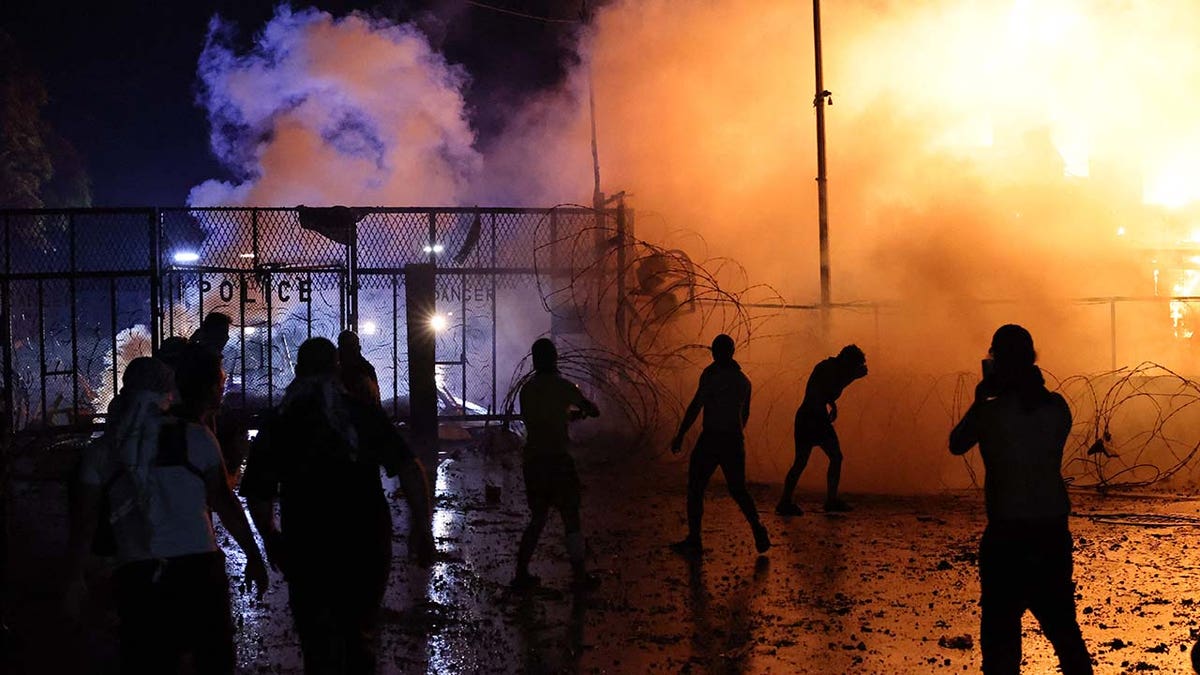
90, 289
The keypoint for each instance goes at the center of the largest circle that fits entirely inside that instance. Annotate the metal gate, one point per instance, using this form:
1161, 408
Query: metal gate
83, 291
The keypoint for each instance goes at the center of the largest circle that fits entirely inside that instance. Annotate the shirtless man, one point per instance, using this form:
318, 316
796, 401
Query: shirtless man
814, 426
724, 396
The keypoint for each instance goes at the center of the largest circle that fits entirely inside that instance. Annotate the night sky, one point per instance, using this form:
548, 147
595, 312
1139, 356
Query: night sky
122, 79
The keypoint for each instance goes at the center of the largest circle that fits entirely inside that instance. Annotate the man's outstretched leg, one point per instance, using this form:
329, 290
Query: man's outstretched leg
786, 507
703, 463
833, 476
733, 465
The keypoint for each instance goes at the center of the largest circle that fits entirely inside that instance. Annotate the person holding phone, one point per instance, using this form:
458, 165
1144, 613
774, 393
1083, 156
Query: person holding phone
1025, 554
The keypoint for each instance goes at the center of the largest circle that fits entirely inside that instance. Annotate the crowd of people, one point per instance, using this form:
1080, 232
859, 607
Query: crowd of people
148, 487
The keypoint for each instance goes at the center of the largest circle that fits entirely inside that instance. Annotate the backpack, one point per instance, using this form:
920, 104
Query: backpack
172, 451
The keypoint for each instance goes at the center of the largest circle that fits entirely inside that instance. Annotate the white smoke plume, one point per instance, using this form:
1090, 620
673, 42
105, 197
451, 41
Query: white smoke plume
325, 110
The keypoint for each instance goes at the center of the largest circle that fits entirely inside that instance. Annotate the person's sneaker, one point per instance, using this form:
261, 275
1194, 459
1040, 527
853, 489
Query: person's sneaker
788, 509
524, 581
688, 546
837, 506
585, 582
762, 542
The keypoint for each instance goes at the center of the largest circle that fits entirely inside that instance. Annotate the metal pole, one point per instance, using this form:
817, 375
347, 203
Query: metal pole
1112, 327
73, 295
819, 101
156, 282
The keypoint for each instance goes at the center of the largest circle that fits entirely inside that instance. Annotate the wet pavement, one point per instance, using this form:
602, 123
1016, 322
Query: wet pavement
888, 588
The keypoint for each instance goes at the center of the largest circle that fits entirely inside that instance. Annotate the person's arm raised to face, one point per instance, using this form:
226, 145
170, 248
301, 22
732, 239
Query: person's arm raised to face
966, 433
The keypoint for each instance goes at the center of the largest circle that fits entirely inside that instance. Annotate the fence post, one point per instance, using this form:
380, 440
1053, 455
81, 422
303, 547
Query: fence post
10, 415
352, 278
420, 299
73, 298
1112, 325
621, 267
156, 313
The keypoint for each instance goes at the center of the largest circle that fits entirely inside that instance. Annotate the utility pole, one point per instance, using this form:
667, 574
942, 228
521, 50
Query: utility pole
822, 98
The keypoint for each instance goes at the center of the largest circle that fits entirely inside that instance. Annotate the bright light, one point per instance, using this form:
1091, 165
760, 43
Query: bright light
245, 255
368, 328
186, 256
438, 322
1120, 232
248, 330
436, 248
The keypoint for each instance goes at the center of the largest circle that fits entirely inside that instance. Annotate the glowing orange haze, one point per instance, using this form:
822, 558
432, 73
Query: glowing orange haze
1030, 151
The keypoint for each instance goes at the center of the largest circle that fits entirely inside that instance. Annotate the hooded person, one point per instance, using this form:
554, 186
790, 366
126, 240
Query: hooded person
724, 396
319, 455
154, 478
548, 403
1025, 554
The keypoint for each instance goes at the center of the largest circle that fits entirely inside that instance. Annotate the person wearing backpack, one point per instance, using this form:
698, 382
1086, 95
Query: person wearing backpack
154, 479
319, 456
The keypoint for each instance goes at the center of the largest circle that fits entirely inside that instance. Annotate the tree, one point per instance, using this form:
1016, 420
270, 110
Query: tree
38, 167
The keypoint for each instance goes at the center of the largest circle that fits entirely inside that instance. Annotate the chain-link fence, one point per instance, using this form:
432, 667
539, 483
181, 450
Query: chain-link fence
84, 291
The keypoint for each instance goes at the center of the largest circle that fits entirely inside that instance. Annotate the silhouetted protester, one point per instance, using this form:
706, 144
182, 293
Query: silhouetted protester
319, 456
724, 396
814, 426
357, 373
199, 382
213, 332
548, 402
171, 350
206, 350
152, 478
1025, 554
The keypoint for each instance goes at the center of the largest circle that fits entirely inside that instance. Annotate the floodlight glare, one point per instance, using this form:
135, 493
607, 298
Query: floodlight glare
368, 328
248, 330
436, 248
186, 256
438, 323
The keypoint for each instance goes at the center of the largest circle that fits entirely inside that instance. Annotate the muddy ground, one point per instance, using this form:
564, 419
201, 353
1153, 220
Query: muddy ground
888, 588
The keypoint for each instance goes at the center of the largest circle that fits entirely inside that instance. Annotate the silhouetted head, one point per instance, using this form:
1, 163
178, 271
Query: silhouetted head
348, 341
851, 354
149, 375
852, 360
722, 348
545, 356
214, 331
316, 357
171, 350
1196, 657
1012, 348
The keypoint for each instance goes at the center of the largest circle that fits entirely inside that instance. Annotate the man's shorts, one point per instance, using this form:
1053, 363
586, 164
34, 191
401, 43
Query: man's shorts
551, 482
813, 429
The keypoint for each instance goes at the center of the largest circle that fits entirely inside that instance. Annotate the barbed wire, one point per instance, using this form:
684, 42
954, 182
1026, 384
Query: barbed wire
644, 315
